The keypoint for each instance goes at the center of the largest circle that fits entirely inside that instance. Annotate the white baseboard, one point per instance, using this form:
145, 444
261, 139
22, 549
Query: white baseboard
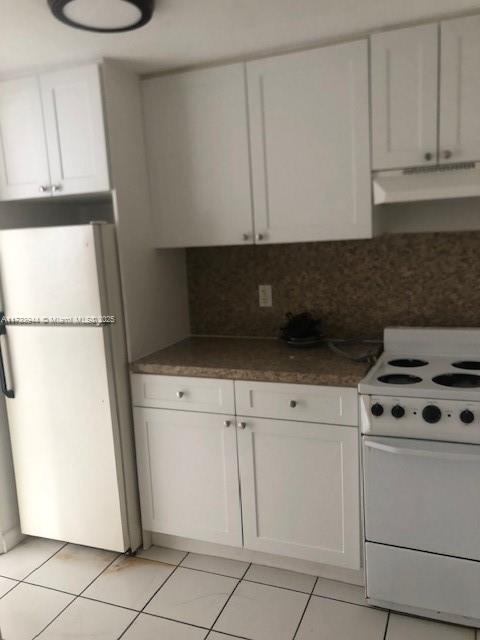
10, 539
292, 564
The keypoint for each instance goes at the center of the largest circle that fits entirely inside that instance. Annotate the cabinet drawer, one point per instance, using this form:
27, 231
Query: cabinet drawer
308, 403
190, 394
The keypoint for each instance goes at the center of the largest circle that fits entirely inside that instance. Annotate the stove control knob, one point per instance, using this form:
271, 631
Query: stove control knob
467, 416
377, 409
431, 414
398, 411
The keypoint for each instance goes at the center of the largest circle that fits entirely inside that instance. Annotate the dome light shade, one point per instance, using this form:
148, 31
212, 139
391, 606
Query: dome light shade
103, 16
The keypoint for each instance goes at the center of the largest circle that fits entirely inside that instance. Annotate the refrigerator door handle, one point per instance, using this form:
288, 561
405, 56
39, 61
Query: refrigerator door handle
9, 393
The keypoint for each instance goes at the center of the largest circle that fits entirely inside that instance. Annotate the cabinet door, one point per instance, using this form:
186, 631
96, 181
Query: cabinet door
24, 169
197, 146
300, 490
309, 133
404, 79
75, 132
460, 90
188, 474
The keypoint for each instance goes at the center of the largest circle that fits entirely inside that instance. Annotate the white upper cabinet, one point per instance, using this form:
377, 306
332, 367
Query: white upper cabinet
416, 120
460, 90
197, 146
24, 171
309, 136
404, 76
75, 131
52, 135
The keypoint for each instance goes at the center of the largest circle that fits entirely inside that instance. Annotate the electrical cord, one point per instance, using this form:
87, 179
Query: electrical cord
370, 356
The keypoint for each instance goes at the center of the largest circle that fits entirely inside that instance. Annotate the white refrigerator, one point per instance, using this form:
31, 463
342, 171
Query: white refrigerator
64, 372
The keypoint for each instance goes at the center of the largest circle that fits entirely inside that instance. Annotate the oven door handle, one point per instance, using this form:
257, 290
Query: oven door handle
423, 453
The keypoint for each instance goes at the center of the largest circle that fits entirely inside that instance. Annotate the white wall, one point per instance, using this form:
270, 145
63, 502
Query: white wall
192, 32
154, 281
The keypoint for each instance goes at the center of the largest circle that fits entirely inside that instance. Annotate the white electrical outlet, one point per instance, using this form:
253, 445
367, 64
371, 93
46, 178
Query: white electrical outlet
265, 295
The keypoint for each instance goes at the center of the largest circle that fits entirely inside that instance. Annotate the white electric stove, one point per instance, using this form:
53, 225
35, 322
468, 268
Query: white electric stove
420, 423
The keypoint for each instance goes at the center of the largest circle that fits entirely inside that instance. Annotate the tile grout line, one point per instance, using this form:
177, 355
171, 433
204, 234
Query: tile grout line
17, 582
44, 562
305, 610
75, 596
355, 604
277, 586
151, 598
129, 625
265, 584
22, 581
101, 573
182, 622
55, 618
157, 590
226, 635
229, 598
180, 566
215, 573
386, 626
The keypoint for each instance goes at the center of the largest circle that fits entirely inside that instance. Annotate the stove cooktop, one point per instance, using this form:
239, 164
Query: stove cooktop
445, 364
437, 377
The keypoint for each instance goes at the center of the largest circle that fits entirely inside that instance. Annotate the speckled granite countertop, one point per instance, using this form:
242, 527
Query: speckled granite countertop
265, 360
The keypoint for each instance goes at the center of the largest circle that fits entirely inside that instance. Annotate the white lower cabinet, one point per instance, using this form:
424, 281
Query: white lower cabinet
188, 476
292, 485
300, 490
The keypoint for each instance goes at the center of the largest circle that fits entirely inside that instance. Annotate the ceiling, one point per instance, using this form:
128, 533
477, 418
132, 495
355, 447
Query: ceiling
192, 32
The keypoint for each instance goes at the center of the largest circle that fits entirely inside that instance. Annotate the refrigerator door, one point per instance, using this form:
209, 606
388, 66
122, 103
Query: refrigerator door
65, 442
50, 272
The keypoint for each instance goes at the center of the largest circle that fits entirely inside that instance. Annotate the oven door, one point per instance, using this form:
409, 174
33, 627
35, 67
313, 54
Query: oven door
423, 495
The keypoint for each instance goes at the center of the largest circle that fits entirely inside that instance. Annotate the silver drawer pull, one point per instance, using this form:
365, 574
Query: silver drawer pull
180, 394
293, 403
242, 425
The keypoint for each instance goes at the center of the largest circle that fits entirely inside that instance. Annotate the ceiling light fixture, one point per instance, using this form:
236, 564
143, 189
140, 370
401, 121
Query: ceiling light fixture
103, 16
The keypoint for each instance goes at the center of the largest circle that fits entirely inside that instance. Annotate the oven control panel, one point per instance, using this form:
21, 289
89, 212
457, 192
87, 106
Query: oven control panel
429, 419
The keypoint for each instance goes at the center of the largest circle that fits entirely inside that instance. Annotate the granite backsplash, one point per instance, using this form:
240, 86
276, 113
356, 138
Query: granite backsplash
357, 287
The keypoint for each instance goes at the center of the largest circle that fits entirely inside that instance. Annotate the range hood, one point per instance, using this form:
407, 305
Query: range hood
439, 182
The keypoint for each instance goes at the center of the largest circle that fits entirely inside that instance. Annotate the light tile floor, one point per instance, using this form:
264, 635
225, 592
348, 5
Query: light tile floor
55, 591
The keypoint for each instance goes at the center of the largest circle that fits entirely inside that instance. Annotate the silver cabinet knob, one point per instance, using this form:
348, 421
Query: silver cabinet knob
242, 425
246, 236
227, 423
260, 237
180, 394
56, 188
293, 403
447, 154
44, 188
428, 156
